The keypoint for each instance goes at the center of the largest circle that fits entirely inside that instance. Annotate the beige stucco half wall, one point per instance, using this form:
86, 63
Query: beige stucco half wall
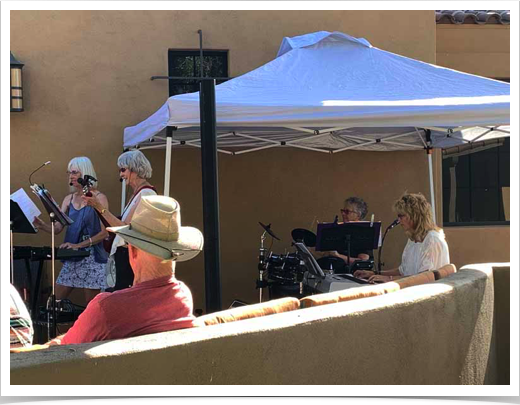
439, 333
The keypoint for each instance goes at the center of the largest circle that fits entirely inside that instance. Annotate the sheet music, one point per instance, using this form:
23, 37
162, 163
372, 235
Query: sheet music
26, 204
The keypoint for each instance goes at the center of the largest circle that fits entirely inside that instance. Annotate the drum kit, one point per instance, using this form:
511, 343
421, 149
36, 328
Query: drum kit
284, 274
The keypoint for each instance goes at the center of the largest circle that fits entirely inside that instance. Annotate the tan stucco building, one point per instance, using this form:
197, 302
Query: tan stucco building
87, 76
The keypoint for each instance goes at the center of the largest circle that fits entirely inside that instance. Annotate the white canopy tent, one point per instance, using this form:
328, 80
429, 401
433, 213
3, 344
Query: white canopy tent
330, 92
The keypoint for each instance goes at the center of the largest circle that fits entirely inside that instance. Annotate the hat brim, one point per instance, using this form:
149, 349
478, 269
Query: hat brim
188, 245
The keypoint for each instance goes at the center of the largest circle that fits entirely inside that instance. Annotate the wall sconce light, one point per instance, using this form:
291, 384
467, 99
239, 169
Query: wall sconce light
16, 85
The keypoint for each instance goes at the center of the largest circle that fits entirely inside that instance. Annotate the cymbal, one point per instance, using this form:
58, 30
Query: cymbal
267, 228
308, 237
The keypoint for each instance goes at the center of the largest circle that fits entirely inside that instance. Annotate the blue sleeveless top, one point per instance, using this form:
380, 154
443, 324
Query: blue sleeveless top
86, 225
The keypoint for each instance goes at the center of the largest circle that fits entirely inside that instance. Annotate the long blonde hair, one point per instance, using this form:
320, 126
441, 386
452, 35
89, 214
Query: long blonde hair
419, 211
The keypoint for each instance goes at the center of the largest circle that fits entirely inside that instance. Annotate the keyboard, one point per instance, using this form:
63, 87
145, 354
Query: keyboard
37, 253
352, 278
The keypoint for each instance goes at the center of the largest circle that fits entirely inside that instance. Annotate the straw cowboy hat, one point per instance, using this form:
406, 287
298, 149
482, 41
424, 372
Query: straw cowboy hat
156, 228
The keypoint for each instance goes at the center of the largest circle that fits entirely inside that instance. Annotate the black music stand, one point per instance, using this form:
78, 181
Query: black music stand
19, 224
19, 221
362, 235
55, 215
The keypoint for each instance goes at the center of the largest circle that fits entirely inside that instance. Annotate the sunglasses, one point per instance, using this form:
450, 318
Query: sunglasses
122, 169
400, 216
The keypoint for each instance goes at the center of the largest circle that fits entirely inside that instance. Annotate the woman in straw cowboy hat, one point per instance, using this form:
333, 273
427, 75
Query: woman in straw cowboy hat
157, 302
426, 248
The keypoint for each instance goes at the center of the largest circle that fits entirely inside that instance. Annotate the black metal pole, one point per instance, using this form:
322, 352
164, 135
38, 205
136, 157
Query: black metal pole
201, 55
210, 206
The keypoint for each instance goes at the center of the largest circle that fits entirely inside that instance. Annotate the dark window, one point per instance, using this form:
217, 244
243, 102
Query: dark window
473, 182
186, 63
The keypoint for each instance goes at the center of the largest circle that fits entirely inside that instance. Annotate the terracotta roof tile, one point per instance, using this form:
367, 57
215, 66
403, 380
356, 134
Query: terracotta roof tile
472, 17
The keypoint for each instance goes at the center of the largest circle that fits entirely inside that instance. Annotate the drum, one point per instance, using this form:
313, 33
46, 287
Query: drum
283, 269
285, 290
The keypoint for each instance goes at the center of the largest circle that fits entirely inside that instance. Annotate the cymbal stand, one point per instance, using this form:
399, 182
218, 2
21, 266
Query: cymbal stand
262, 262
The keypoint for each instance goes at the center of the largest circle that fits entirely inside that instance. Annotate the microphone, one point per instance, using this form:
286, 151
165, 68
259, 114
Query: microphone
45, 164
394, 224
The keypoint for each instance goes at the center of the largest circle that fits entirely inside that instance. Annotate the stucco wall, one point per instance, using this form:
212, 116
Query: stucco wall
482, 244
478, 49
439, 333
87, 76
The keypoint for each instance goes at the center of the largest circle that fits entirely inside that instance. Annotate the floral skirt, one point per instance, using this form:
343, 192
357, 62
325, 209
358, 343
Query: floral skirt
86, 273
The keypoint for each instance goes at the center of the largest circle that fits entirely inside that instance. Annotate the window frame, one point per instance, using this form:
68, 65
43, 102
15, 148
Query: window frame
475, 223
180, 52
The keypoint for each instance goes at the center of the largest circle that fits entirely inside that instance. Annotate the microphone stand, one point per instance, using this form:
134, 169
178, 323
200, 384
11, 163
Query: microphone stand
347, 241
52, 298
379, 264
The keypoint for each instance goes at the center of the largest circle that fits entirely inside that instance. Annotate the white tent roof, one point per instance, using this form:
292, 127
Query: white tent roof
332, 92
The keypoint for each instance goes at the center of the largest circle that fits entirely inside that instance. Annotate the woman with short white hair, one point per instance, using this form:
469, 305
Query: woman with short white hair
135, 169
85, 233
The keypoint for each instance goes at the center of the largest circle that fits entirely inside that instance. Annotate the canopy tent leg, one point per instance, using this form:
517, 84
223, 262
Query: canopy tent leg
429, 151
167, 163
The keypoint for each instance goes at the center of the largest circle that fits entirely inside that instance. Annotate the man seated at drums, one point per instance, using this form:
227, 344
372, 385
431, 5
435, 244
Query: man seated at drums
354, 210
157, 301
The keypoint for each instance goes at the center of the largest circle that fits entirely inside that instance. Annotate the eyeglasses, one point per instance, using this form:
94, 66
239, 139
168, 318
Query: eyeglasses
347, 211
73, 172
122, 169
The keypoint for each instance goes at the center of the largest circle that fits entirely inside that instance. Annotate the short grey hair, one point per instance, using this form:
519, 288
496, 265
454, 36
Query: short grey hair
361, 206
137, 162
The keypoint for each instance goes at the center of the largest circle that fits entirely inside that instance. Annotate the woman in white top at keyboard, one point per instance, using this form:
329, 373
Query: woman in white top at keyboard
426, 248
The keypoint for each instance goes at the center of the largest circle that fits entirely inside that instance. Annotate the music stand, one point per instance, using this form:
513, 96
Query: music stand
19, 224
362, 235
55, 215
309, 260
